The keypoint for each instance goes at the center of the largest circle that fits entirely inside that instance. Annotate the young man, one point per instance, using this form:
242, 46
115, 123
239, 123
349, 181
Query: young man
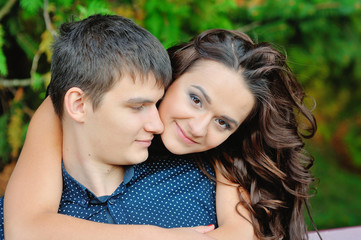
107, 76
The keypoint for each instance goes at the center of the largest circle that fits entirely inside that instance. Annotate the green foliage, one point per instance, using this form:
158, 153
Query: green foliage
4, 145
353, 142
25, 38
12, 129
337, 202
15, 129
37, 81
176, 21
3, 68
31, 7
65, 3
93, 7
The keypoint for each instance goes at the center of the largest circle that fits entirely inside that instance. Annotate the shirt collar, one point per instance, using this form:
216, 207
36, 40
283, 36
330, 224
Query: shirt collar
75, 192
129, 174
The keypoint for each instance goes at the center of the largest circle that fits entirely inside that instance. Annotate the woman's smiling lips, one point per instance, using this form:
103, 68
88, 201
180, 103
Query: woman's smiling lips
183, 136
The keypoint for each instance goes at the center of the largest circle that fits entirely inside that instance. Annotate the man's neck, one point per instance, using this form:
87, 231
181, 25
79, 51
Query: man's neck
100, 178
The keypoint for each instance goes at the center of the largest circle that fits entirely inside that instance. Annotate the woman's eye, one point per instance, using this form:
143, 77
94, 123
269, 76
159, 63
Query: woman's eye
223, 124
196, 100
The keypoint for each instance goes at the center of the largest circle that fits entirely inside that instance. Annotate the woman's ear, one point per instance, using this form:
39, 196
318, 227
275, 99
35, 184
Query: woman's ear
74, 104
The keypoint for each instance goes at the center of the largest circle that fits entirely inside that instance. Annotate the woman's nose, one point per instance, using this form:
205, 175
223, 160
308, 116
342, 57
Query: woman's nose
199, 125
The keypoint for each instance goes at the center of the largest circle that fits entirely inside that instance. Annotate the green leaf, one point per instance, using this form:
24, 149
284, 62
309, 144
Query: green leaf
4, 145
94, 7
3, 67
31, 7
37, 81
353, 142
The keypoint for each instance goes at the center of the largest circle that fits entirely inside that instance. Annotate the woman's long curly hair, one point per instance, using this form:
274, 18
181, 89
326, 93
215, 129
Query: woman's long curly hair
266, 155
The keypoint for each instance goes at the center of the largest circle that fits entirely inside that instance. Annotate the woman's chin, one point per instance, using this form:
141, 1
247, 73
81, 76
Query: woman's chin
174, 148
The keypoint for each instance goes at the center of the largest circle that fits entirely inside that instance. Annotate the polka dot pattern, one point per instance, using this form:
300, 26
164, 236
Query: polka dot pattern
170, 192
2, 218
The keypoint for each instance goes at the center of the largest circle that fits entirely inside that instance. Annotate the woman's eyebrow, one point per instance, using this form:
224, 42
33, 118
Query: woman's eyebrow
208, 99
231, 120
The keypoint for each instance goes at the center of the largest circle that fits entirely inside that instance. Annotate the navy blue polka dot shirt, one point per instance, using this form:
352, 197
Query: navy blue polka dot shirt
170, 192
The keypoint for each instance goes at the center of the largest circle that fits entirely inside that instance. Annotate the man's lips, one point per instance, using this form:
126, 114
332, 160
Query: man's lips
183, 136
145, 142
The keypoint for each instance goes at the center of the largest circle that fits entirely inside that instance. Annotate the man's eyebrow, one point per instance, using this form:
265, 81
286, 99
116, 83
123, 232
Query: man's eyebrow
208, 99
140, 100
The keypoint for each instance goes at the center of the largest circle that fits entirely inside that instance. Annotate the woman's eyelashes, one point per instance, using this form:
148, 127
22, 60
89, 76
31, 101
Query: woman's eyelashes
195, 100
223, 124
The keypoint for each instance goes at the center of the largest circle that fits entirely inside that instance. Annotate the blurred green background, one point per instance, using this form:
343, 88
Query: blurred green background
321, 39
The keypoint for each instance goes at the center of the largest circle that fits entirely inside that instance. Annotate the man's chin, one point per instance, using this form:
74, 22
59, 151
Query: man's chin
141, 157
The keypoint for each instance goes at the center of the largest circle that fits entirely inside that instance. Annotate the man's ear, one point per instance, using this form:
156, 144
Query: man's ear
75, 103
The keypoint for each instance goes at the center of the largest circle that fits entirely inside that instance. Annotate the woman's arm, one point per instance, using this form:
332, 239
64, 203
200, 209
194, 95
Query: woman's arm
36, 181
34, 191
231, 224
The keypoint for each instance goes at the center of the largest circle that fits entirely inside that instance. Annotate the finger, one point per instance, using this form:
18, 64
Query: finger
204, 229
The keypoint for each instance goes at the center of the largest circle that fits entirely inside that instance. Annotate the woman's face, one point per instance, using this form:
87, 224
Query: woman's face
203, 107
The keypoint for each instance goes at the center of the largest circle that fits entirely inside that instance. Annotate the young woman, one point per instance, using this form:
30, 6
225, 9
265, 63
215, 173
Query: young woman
235, 105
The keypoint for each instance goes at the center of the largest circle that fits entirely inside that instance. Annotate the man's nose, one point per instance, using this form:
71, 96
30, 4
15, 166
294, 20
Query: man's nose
154, 124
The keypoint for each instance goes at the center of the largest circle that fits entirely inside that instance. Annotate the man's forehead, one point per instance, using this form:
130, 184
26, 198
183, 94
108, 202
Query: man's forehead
138, 88
143, 78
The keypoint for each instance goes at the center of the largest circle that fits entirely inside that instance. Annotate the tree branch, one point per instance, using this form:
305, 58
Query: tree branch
15, 82
34, 66
6, 8
47, 20
249, 27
